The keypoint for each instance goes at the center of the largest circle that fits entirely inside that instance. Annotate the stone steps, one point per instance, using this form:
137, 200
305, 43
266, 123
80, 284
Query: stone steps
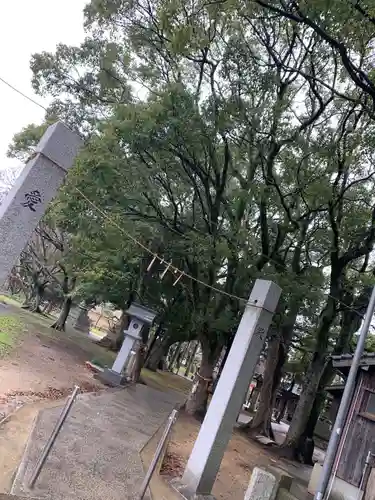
97, 453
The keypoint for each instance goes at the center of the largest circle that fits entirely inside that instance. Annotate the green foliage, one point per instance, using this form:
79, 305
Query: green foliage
231, 140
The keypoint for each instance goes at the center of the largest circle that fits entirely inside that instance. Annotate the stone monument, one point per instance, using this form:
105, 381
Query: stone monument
205, 459
140, 317
37, 184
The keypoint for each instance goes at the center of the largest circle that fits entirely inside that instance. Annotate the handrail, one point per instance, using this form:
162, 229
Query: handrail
56, 430
171, 420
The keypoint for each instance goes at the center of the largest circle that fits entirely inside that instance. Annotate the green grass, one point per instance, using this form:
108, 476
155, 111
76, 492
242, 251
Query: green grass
40, 324
13, 301
166, 380
10, 330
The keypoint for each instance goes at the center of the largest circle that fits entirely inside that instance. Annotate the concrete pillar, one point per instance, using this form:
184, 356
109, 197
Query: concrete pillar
217, 427
37, 184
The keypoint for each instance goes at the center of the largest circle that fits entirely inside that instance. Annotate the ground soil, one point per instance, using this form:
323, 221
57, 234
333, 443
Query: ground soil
43, 364
39, 363
241, 456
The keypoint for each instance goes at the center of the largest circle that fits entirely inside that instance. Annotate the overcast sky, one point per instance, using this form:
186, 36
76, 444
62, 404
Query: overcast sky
26, 27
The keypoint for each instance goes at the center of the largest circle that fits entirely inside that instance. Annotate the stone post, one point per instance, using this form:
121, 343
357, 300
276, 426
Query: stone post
216, 430
262, 486
140, 317
37, 184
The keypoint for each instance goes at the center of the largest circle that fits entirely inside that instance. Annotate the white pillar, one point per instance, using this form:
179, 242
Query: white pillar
217, 427
37, 184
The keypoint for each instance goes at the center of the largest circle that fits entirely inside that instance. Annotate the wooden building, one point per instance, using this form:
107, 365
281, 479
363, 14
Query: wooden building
358, 436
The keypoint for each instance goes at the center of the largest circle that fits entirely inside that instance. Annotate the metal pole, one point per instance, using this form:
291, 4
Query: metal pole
345, 403
171, 420
52, 439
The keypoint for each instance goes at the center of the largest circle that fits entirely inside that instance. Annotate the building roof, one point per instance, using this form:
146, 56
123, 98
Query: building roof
335, 389
344, 361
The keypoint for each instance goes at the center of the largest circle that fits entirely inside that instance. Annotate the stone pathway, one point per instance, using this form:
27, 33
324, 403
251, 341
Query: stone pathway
97, 454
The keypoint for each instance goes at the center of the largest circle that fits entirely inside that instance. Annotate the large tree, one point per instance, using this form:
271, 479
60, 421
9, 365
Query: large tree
219, 139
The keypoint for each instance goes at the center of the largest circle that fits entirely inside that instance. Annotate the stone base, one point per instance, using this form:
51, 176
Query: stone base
112, 378
185, 493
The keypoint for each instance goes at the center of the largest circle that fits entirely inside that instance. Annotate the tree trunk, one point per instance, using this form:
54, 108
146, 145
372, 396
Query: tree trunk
196, 403
278, 345
59, 324
157, 353
48, 307
284, 402
180, 358
303, 410
282, 409
37, 299
139, 361
313, 375
305, 449
261, 423
191, 358
174, 356
223, 361
114, 339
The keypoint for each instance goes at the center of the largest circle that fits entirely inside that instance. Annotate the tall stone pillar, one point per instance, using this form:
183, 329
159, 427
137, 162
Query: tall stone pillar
37, 184
216, 430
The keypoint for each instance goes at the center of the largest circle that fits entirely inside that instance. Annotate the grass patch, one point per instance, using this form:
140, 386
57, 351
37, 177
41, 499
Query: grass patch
166, 380
13, 301
10, 330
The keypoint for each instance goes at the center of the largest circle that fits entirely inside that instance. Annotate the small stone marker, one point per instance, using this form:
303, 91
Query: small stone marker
262, 486
37, 184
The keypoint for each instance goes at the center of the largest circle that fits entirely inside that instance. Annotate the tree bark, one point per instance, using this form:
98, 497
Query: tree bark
114, 339
48, 307
196, 403
59, 324
191, 358
180, 357
35, 307
174, 356
314, 373
278, 346
261, 423
157, 353
37, 298
304, 407
139, 362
